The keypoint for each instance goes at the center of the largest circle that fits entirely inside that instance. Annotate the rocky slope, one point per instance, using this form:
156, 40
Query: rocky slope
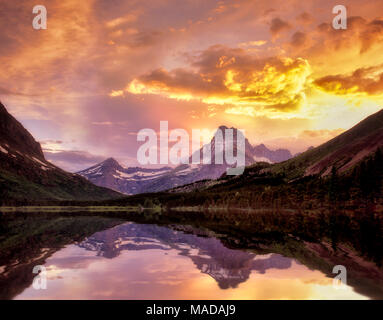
343, 152
25, 174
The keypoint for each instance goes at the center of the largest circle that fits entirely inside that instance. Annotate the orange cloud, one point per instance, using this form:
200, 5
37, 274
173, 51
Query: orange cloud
323, 134
222, 75
256, 43
279, 26
121, 21
362, 81
305, 18
359, 31
299, 39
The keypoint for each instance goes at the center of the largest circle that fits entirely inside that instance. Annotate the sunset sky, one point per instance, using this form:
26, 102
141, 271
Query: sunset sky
104, 69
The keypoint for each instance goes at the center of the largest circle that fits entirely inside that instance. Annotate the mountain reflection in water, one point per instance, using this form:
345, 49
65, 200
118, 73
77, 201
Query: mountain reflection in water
228, 267
145, 261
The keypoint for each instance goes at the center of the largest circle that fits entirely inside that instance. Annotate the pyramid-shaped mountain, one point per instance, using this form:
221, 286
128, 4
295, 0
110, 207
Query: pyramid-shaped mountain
134, 180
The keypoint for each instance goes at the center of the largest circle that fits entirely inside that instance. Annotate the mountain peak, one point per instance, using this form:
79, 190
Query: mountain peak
223, 127
110, 163
279, 155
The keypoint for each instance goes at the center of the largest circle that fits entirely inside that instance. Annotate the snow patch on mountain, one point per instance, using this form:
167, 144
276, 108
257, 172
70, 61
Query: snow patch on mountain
3, 150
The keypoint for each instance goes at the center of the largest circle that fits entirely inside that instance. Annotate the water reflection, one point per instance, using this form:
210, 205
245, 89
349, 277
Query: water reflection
146, 261
228, 267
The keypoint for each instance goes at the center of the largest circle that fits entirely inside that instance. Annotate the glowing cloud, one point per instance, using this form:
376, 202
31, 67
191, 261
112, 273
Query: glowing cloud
231, 76
363, 81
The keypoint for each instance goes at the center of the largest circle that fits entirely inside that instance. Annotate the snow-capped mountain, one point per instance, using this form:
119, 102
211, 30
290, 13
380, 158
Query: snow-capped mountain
134, 180
126, 180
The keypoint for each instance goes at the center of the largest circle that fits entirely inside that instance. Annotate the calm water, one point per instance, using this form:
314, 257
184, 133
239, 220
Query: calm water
127, 260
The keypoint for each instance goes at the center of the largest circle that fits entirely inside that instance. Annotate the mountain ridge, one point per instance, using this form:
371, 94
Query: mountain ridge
133, 180
343, 151
25, 174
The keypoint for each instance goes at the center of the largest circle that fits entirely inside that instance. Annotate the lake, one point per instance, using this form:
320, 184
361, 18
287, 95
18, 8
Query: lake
99, 257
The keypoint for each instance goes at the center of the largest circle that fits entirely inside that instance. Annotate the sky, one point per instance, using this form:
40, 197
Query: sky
105, 69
